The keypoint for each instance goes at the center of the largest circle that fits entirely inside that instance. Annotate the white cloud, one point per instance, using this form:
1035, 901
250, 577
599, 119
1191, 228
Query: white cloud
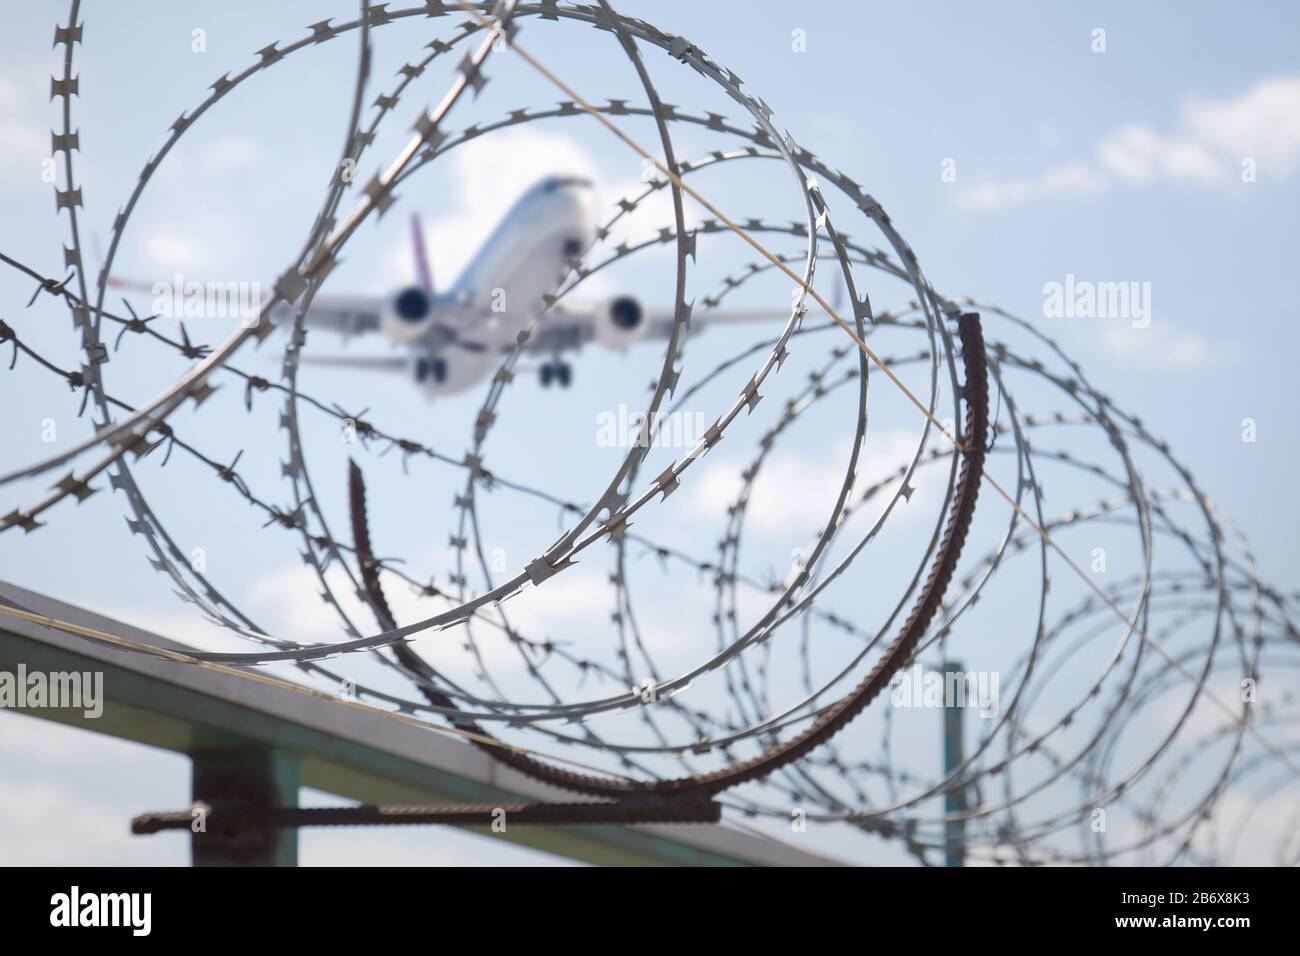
1263, 124
413, 847
25, 135
1212, 140
172, 250
791, 493
489, 175
25, 148
795, 493
45, 824
288, 603
228, 152
1262, 824
653, 213
1165, 347
74, 791
207, 253
1072, 179
1139, 155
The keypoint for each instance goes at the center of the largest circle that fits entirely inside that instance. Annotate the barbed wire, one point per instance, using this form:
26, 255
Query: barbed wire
1212, 610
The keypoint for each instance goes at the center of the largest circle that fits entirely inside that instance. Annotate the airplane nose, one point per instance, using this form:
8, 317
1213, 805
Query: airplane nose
567, 182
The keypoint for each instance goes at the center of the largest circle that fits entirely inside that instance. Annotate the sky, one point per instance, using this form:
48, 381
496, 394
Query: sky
1014, 145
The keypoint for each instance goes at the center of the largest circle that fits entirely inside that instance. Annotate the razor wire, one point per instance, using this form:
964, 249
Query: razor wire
1022, 755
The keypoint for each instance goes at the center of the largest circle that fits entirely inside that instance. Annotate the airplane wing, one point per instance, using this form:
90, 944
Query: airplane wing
346, 314
659, 324
365, 363
569, 328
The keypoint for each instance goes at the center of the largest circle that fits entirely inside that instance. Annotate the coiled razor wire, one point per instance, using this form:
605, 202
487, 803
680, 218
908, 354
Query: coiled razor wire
1120, 736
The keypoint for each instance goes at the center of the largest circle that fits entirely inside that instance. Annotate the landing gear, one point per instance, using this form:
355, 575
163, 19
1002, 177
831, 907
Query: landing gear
436, 367
557, 371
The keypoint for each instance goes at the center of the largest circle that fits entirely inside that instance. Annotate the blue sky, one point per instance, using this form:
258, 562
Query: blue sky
1122, 165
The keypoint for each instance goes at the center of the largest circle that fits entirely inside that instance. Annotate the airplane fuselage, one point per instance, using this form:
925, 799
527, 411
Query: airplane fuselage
456, 338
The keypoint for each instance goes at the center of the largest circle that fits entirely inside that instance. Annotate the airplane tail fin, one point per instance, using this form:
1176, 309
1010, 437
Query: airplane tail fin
131, 285
421, 255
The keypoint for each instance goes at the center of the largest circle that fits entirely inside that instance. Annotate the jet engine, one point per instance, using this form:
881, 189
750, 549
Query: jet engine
620, 323
407, 315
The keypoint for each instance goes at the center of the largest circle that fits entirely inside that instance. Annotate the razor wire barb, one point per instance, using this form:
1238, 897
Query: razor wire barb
831, 783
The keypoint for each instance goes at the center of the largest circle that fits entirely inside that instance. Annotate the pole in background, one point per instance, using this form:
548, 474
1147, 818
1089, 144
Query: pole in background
954, 799
246, 779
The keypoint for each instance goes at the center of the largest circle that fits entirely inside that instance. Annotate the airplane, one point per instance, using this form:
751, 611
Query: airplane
456, 339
